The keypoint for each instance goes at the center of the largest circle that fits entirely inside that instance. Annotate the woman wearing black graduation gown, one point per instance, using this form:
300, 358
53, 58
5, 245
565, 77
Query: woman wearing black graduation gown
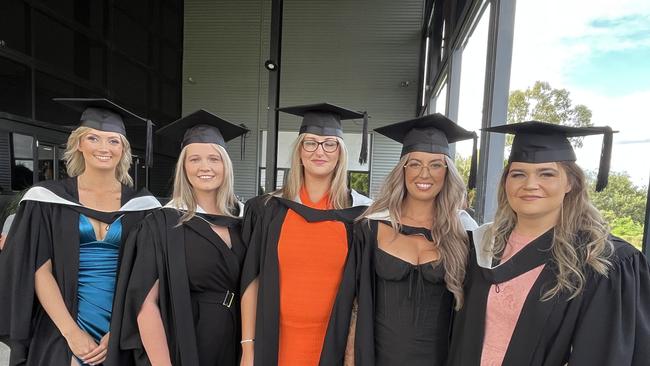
58, 267
547, 284
176, 301
298, 280
415, 249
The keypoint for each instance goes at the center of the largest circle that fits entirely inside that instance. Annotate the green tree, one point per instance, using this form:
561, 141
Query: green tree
620, 196
541, 102
360, 182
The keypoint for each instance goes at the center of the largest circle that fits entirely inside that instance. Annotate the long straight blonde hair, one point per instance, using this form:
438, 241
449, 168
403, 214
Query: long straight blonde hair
183, 194
448, 234
580, 237
339, 194
76, 165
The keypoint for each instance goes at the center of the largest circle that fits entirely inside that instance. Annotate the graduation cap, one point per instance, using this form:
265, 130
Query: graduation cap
201, 127
103, 115
432, 134
324, 119
542, 142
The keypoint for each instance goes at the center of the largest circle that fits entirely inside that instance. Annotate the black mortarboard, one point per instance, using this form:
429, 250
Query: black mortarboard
104, 115
432, 134
201, 127
541, 142
324, 119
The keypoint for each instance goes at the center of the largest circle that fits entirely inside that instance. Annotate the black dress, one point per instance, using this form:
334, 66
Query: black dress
46, 227
198, 275
608, 323
405, 310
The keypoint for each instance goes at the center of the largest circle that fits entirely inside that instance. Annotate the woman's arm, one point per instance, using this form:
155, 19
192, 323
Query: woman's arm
248, 314
152, 331
349, 348
81, 343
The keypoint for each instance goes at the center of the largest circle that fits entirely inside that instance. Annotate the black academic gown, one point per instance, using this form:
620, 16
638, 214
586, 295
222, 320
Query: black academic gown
156, 250
263, 219
607, 324
47, 227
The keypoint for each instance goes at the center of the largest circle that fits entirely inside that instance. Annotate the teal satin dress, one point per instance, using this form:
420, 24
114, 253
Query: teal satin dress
98, 260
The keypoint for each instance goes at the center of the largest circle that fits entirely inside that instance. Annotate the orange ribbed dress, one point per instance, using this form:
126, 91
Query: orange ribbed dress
311, 258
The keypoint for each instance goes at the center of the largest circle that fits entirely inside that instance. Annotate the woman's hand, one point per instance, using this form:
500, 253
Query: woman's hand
81, 343
247, 354
98, 355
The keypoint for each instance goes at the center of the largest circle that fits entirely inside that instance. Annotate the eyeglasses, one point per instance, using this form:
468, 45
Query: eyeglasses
328, 145
415, 166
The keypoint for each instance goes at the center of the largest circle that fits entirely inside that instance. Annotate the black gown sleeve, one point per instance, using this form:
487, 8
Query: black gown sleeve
28, 247
364, 339
614, 328
251, 234
137, 275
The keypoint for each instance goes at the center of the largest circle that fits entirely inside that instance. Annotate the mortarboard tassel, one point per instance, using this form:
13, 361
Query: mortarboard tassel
471, 181
148, 152
243, 142
363, 155
605, 159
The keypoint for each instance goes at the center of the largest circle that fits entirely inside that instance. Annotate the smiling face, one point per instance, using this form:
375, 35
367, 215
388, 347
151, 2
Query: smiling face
101, 150
319, 155
424, 175
536, 191
204, 167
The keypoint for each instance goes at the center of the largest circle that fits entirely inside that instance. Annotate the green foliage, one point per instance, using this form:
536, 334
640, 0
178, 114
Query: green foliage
541, 102
621, 197
622, 205
360, 182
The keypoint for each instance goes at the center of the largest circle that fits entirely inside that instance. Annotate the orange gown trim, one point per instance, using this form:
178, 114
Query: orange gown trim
311, 258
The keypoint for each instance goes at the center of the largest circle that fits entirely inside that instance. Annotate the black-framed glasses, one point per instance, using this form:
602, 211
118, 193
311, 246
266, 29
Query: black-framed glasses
328, 145
415, 166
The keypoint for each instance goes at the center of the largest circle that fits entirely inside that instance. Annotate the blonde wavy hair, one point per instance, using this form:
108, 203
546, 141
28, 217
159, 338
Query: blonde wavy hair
339, 194
580, 238
76, 165
448, 234
183, 192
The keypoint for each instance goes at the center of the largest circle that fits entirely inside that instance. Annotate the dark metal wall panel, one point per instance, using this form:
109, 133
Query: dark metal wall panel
223, 42
360, 54
5, 162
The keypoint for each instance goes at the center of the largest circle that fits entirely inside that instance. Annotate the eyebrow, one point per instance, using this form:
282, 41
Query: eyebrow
536, 170
430, 161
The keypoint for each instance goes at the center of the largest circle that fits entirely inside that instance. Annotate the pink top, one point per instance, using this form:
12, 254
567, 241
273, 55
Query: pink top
504, 306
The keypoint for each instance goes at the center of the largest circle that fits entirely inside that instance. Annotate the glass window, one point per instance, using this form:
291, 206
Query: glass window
47, 110
22, 167
170, 26
62, 171
170, 99
45, 162
138, 10
170, 62
14, 34
68, 50
54, 43
472, 85
15, 90
128, 82
131, 37
591, 68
